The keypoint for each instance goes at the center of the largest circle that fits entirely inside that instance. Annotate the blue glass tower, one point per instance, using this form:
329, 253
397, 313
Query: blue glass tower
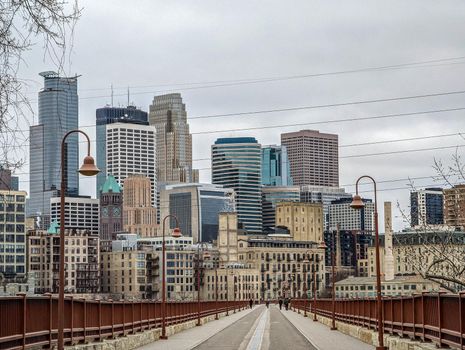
58, 114
275, 166
109, 115
236, 164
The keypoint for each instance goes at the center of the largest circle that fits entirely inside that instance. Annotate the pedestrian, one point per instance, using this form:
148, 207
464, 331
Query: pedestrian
280, 301
267, 303
286, 303
251, 303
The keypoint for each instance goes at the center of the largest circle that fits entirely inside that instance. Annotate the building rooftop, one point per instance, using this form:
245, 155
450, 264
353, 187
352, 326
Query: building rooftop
227, 140
351, 280
111, 185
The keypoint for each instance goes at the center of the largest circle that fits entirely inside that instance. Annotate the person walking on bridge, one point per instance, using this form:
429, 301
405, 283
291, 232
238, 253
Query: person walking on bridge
280, 302
251, 303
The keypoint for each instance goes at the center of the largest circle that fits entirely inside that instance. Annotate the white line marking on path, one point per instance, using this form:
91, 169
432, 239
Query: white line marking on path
255, 342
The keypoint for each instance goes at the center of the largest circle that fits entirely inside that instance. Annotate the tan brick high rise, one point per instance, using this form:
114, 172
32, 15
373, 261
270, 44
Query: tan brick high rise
174, 142
138, 214
313, 157
454, 206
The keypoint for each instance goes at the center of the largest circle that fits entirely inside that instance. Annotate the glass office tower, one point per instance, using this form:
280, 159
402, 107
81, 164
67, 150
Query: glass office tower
236, 164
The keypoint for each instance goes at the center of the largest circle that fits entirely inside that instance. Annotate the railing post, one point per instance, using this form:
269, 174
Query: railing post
460, 319
50, 319
439, 319
24, 302
423, 316
413, 315
112, 318
132, 315
100, 319
85, 319
72, 319
124, 318
402, 316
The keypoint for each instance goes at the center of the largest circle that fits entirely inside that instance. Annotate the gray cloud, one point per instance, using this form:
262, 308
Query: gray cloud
156, 42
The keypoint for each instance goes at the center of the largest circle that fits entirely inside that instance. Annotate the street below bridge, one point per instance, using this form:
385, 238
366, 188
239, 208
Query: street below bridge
260, 329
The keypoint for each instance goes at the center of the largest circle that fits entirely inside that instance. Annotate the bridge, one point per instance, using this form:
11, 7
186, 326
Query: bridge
31, 322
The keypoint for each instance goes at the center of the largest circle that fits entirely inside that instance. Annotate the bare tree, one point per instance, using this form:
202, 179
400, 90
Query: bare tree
437, 253
22, 23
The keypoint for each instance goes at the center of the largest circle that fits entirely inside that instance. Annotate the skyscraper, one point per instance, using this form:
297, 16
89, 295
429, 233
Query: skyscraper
109, 115
236, 164
197, 207
139, 214
324, 195
174, 142
58, 114
426, 207
313, 157
131, 150
275, 166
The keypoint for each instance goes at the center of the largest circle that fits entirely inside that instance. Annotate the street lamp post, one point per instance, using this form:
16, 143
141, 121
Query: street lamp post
314, 295
176, 233
333, 294
88, 168
206, 256
357, 203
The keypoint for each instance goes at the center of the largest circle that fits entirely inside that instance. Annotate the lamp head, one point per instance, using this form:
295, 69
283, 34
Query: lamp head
88, 167
322, 245
357, 202
176, 233
206, 255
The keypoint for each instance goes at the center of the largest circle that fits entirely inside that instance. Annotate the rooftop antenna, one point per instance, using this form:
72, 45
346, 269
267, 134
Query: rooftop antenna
112, 94
128, 96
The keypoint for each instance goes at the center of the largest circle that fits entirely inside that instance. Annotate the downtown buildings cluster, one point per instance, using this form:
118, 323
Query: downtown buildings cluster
265, 227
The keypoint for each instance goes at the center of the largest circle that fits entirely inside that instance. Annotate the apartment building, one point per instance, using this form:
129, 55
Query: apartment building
81, 260
12, 234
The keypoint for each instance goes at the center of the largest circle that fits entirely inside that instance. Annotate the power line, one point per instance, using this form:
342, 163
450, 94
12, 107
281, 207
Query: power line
246, 81
340, 146
398, 98
331, 121
260, 112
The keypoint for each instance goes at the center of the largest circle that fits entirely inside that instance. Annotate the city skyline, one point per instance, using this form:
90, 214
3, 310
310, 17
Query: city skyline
312, 47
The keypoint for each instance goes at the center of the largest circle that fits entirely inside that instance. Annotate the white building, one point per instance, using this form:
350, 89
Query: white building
340, 213
80, 213
131, 150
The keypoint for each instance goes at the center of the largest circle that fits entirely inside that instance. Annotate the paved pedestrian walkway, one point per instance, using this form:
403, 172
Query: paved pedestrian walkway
321, 336
260, 329
190, 338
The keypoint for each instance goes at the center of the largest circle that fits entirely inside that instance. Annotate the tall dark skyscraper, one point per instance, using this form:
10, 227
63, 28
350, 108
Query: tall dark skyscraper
109, 115
313, 157
58, 114
427, 207
236, 164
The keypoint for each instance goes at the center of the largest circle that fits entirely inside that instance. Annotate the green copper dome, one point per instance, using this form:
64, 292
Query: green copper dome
54, 227
111, 185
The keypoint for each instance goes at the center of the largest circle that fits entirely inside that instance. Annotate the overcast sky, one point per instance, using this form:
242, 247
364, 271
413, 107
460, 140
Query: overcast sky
151, 45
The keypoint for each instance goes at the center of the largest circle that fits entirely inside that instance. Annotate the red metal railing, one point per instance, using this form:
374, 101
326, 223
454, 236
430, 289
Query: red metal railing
439, 318
32, 321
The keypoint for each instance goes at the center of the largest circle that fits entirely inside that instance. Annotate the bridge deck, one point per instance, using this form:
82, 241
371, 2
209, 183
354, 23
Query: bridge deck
260, 329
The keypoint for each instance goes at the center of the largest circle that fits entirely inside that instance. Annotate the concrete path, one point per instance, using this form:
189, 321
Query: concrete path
321, 336
190, 338
260, 329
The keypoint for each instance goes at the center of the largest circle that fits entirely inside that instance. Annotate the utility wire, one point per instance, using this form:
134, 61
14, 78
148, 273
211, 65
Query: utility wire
244, 81
261, 112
